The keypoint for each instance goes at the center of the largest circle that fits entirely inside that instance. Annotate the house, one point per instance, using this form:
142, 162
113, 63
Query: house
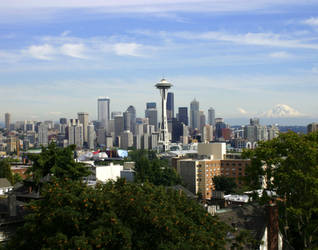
260, 221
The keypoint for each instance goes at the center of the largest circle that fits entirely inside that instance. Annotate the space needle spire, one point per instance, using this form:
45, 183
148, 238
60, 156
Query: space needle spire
163, 86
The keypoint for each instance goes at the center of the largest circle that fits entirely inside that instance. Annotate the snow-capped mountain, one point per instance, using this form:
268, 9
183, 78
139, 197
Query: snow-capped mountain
282, 111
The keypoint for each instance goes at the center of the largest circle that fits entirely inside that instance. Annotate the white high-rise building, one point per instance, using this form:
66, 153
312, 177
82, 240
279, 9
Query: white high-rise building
83, 119
103, 111
91, 136
127, 139
163, 86
75, 133
207, 133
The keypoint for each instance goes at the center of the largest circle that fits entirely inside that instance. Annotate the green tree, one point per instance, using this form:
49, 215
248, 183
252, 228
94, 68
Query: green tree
57, 162
223, 183
289, 166
5, 170
149, 168
117, 215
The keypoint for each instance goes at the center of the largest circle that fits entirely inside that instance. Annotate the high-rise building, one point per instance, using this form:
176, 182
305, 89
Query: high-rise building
83, 119
132, 111
183, 115
151, 105
211, 116
103, 111
7, 119
91, 136
152, 114
115, 113
119, 125
75, 133
170, 105
202, 120
177, 130
219, 125
63, 120
207, 133
127, 121
194, 114
163, 86
127, 139
43, 135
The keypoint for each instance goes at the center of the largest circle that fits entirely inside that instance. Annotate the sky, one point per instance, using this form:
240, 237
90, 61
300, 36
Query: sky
241, 57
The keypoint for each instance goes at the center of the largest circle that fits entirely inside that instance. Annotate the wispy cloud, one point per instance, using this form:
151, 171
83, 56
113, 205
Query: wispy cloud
280, 55
42, 52
260, 39
73, 50
242, 111
127, 49
313, 21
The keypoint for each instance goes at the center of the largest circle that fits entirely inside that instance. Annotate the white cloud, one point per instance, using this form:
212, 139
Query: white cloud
42, 52
261, 39
127, 49
280, 55
314, 70
242, 111
56, 113
65, 33
73, 50
313, 21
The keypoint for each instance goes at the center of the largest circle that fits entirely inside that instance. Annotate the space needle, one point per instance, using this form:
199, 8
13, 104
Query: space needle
163, 86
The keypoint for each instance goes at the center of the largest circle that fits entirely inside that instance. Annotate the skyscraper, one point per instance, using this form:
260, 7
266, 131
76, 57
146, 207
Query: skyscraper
151, 105
91, 136
75, 133
170, 105
132, 111
119, 125
127, 120
103, 111
183, 115
211, 116
202, 120
7, 118
43, 135
152, 114
83, 119
194, 114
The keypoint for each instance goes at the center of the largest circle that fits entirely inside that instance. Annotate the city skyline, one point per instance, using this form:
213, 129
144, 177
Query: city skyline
241, 59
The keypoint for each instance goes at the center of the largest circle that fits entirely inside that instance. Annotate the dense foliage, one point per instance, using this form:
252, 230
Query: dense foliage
289, 166
5, 172
58, 162
223, 183
117, 216
149, 168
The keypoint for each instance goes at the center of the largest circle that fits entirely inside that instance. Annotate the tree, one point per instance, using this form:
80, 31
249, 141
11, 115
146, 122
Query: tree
117, 215
223, 183
289, 166
149, 168
57, 162
5, 170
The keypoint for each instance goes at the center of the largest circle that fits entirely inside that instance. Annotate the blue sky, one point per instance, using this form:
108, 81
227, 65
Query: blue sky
240, 57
